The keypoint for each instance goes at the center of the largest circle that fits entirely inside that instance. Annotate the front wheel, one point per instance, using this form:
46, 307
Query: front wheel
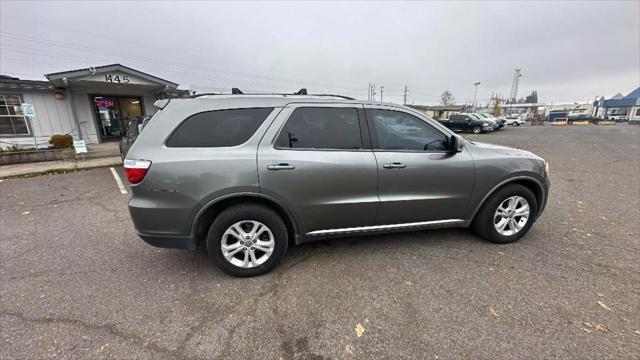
477, 130
507, 215
247, 240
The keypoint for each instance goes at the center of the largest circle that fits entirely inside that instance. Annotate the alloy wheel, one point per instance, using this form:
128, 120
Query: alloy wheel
511, 216
247, 244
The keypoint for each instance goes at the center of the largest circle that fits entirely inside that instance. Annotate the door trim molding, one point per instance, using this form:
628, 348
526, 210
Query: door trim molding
384, 227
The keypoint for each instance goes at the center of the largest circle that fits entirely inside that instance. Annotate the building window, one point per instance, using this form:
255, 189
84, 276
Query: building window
12, 121
638, 112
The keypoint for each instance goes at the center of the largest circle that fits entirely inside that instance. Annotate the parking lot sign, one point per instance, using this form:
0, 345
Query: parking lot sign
80, 146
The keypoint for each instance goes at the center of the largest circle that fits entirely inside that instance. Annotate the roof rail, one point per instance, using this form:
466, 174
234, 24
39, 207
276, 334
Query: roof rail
303, 91
333, 95
201, 94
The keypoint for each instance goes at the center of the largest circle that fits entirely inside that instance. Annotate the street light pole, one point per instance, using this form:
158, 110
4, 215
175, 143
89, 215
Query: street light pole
475, 94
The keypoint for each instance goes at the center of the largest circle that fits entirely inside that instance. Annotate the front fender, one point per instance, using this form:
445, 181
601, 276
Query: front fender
540, 183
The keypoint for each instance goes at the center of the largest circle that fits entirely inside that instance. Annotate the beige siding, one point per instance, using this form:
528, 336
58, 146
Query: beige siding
52, 117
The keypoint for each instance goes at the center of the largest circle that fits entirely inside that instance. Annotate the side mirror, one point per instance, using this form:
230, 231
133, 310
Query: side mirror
455, 144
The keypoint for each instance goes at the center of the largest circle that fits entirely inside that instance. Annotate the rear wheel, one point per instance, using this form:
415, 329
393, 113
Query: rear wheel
507, 215
477, 130
247, 240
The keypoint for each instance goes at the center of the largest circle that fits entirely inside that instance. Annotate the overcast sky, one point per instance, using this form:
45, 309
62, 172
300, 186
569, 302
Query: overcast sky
568, 51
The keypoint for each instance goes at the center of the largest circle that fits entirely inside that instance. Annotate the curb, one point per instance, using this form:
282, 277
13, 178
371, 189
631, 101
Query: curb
62, 168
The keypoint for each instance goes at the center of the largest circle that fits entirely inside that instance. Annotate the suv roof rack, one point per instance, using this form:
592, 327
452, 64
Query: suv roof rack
303, 91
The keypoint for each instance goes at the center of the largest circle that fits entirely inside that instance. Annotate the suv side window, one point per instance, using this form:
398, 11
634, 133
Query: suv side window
396, 130
218, 128
458, 119
321, 128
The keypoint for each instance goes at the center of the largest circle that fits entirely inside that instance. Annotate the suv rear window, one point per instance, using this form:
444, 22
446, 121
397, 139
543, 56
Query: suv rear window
321, 128
218, 128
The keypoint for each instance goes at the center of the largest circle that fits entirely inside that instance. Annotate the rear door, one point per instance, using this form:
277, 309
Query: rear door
316, 160
460, 122
419, 179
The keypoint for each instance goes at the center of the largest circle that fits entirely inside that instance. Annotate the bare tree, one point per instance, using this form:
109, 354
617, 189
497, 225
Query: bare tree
447, 98
496, 108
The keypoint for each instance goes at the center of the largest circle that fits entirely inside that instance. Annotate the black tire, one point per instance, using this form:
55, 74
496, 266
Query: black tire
483, 223
241, 212
517, 124
476, 130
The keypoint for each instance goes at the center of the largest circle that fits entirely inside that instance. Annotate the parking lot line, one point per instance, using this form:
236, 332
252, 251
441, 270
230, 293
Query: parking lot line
123, 190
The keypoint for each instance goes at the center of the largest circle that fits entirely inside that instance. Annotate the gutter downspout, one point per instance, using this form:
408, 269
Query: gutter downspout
73, 108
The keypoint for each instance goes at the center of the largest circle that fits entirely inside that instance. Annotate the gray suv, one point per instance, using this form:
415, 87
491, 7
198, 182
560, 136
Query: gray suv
246, 175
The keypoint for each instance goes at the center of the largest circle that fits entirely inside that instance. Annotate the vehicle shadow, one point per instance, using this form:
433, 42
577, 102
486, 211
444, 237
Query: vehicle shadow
198, 260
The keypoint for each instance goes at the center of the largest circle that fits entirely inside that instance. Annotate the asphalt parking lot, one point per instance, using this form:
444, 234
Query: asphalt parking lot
76, 282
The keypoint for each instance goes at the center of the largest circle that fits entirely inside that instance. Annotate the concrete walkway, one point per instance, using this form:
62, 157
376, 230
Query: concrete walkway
42, 167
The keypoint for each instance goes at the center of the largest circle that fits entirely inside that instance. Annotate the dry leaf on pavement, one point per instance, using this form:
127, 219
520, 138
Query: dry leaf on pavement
592, 326
604, 306
493, 312
349, 349
359, 330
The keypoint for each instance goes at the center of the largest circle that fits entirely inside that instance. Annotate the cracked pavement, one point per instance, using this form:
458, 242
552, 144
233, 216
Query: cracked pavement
76, 282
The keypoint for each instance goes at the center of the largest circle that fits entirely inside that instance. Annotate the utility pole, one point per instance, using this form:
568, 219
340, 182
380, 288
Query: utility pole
381, 92
405, 95
475, 94
373, 92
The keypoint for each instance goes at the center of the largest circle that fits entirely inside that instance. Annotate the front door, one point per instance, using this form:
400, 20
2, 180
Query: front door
459, 122
419, 179
113, 114
315, 159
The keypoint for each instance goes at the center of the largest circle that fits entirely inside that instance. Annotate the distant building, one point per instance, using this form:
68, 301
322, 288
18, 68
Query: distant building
620, 107
440, 111
574, 109
95, 104
525, 109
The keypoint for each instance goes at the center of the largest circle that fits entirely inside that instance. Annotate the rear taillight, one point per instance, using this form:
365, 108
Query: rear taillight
136, 170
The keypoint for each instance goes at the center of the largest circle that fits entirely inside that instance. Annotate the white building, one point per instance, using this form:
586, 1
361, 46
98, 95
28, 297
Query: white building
93, 104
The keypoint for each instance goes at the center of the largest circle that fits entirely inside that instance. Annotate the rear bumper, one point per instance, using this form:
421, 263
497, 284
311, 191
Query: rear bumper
169, 242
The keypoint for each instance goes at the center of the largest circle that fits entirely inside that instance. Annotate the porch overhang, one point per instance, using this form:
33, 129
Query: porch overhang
114, 74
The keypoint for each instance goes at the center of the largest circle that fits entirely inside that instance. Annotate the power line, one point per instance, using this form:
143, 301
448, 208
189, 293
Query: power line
139, 43
193, 75
155, 60
158, 61
214, 75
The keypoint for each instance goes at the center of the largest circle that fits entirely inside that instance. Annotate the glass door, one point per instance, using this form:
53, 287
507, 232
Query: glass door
113, 114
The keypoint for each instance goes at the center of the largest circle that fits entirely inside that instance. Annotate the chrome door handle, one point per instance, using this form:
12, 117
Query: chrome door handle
394, 165
281, 166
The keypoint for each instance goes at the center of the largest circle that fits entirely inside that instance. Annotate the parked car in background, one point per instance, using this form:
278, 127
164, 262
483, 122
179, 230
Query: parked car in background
499, 121
469, 122
494, 121
131, 133
618, 118
194, 174
513, 120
